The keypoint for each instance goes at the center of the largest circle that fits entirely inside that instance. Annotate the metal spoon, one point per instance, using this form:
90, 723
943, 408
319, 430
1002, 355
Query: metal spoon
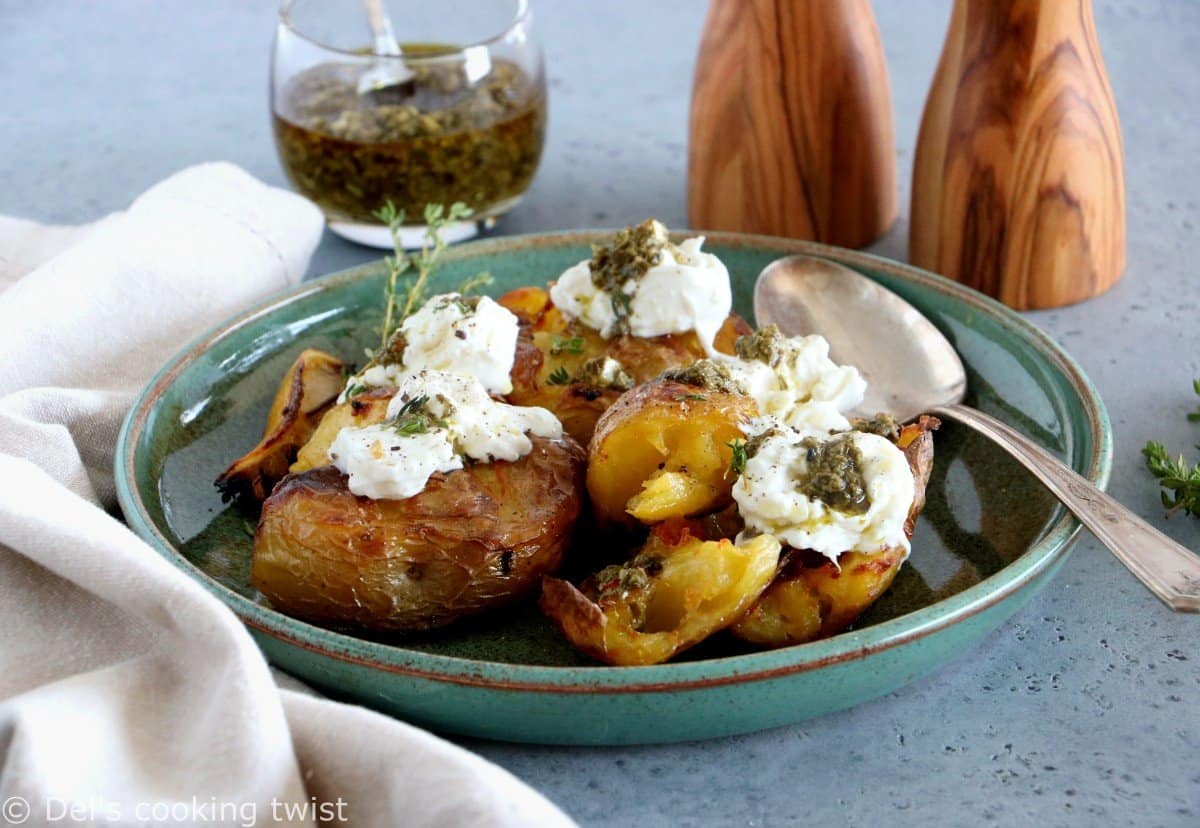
911, 369
388, 80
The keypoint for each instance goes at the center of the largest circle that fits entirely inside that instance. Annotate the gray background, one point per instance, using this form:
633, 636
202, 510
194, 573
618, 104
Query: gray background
1085, 709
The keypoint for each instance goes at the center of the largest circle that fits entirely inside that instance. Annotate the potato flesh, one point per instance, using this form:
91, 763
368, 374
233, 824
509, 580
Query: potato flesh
663, 451
360, 411
667, 494
702, 587
813, 603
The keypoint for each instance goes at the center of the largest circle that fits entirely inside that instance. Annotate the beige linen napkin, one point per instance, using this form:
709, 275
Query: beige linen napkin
128, 694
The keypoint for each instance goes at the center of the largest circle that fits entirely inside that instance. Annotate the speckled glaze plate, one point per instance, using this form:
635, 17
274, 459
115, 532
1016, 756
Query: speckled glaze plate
990, 536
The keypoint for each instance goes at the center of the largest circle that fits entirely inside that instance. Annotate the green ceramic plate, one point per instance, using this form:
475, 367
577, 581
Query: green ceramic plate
989, 539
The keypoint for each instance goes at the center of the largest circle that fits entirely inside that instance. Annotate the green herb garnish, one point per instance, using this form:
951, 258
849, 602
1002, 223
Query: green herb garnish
401, 301
415, 418
476, 283
354, 389
1179, 480
574, 345
737, 463
559, 376
1194, 417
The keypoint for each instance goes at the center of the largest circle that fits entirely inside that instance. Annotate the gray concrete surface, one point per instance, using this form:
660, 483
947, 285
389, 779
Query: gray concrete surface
1084, 710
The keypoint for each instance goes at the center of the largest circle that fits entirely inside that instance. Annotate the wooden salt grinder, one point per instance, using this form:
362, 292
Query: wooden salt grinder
791, 125
1018, 182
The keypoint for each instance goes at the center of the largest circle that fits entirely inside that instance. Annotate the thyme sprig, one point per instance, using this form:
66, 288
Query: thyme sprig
403, 298
1180, 481
559, 376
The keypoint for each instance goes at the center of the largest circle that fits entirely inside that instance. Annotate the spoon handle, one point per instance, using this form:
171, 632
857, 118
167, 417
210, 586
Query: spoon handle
1170, 570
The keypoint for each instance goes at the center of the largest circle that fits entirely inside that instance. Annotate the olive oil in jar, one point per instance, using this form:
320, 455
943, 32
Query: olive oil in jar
438, 137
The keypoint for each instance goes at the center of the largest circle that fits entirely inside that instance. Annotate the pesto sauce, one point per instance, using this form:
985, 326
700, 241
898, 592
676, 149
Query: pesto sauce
765, 345
628, 584
435, 140
885, 425
706, 373
592, 374
627, 258
834, 474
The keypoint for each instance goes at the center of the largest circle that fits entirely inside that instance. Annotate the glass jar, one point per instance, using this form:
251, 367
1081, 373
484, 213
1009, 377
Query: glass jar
458, 115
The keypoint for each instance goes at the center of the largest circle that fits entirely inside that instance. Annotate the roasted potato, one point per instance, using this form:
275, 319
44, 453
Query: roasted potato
551, 366
360, 411
676, 592
663, 451
812, 598
474, 539
312, 382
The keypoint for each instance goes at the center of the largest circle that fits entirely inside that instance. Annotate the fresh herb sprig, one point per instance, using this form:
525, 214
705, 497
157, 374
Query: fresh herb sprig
1180, 481
403, 298
559, 376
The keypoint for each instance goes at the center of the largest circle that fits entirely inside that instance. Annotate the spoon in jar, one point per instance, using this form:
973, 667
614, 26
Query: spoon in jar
911, 369
388, 80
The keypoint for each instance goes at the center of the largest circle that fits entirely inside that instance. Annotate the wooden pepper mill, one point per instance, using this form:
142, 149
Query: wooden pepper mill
791, 125
1018, 182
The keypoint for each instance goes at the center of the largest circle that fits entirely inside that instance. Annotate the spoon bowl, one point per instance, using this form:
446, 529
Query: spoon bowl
911, 368
908, 364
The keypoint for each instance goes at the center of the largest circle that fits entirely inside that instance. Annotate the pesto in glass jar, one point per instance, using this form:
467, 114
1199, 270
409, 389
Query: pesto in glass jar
439, 137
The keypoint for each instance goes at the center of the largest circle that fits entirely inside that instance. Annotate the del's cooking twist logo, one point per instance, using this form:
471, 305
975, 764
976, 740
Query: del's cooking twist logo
18, 810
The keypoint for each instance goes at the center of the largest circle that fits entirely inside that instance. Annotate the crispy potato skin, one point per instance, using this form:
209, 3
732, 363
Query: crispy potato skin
474, 539
308, 388
811, 598
702, 587
579, 406
665, 427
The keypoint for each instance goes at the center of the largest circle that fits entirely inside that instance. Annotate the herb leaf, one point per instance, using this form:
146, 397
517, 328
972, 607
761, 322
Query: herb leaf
737, 463
1180, 481
1176, 477
574, 345
476, 283
559, 376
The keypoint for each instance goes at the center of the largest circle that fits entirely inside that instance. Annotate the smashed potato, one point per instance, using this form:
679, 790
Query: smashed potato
663, 451
312, 382
812, 598
560, 362
474, 539
676, 592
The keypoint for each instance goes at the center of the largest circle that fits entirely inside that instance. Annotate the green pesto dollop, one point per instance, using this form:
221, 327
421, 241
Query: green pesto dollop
627, 258
885, 425
834, 474
765, 345
708, 374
